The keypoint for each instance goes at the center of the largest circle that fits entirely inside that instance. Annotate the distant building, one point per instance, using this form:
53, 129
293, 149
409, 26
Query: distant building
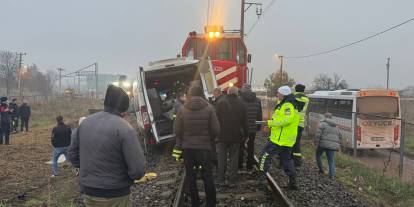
103, 81
407, 92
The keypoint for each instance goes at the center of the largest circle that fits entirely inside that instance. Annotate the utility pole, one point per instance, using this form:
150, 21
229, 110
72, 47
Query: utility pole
78, 74
242, 19
60, 80
280, 57
243, 10
96, 80
388, 72
19, 78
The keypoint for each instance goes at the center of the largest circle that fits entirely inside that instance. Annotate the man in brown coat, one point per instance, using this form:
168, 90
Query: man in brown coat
196, 126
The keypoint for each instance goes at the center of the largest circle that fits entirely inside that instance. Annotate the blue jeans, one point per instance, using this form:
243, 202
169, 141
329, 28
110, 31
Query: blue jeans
331, 162
56, 153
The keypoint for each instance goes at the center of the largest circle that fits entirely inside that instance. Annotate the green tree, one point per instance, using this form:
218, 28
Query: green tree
277, 80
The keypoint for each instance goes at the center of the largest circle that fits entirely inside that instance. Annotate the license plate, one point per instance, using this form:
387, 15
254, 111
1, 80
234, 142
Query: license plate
377, 139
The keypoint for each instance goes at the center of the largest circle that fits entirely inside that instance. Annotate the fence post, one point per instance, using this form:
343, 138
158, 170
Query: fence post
355, 133
401, 165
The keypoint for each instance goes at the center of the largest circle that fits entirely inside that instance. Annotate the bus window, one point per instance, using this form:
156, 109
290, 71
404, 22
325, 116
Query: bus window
224, 50
332, 107
189, 51
240, 55
379, 107
345, 108
203, 48
317, 106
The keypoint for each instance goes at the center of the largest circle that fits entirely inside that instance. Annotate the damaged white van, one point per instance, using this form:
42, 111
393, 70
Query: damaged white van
156, 91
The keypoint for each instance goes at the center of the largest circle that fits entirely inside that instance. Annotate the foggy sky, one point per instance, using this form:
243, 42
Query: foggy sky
121, 35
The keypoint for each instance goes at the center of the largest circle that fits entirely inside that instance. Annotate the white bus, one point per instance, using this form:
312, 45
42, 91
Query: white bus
378, 116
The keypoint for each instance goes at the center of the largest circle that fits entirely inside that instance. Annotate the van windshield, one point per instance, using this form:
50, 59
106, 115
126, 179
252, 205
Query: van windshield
378, 107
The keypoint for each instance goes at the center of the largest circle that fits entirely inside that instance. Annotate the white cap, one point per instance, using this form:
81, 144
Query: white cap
284, 90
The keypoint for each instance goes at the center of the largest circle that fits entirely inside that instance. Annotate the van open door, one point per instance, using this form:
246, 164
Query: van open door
208, 78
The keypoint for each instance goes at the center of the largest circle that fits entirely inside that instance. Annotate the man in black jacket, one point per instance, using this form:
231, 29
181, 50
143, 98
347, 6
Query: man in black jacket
106, 149
217, 96
14, 109
24, 112
254, 113
233, 124
61, 135
5, 121
196, 127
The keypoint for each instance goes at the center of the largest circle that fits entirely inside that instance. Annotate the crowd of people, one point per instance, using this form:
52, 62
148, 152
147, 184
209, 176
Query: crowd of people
209, 136
10, 114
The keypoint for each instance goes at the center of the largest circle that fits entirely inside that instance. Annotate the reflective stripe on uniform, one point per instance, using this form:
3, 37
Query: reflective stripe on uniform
297, 154
262, 161
177, 151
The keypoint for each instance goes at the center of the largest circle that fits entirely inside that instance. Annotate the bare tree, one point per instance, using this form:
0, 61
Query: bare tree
339, 83
51, 78
8, 66
324, 82
276, 80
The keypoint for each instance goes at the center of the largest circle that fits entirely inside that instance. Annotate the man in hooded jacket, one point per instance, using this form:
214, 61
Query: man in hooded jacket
327, 140
254, 113
107, 150
196, 126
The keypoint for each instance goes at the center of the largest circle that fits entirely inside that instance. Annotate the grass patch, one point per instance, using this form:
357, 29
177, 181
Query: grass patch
372, 185
408, 114
34, 202
24, 161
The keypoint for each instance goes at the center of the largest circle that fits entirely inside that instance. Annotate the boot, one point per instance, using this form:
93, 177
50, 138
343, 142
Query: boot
292, 184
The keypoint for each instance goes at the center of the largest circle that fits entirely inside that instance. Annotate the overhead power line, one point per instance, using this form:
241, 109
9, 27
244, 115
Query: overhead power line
260, 17
352, 43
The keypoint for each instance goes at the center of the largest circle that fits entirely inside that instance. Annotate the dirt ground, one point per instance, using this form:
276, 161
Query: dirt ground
25, 174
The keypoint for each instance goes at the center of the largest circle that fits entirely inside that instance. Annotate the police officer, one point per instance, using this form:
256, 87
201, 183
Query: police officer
283, 131
302, 102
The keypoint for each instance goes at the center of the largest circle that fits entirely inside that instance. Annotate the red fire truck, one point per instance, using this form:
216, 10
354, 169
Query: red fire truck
226, 51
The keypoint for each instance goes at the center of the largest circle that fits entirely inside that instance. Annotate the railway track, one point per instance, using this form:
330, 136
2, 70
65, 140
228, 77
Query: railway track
249, 191
161, 190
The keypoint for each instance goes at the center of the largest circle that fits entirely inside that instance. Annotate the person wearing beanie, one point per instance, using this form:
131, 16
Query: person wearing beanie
5, 121
283, 131
231, 114
61, 135
302, 102
24, 113
253, 113
196, 126
106, 149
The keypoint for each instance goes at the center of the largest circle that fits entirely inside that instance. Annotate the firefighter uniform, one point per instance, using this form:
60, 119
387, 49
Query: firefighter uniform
283, 132
302, 102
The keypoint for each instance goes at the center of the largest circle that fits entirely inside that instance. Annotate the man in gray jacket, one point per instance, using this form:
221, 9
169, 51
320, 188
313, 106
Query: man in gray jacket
106, 148
327, 140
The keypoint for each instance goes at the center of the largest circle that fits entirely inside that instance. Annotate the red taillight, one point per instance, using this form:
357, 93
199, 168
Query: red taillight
358, 134
151, 140
145, 117
396, 133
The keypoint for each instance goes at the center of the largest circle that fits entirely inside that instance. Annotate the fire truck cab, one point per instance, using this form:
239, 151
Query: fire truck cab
227, 52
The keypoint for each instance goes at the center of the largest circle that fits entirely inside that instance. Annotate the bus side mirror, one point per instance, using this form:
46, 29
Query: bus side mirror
249, 58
